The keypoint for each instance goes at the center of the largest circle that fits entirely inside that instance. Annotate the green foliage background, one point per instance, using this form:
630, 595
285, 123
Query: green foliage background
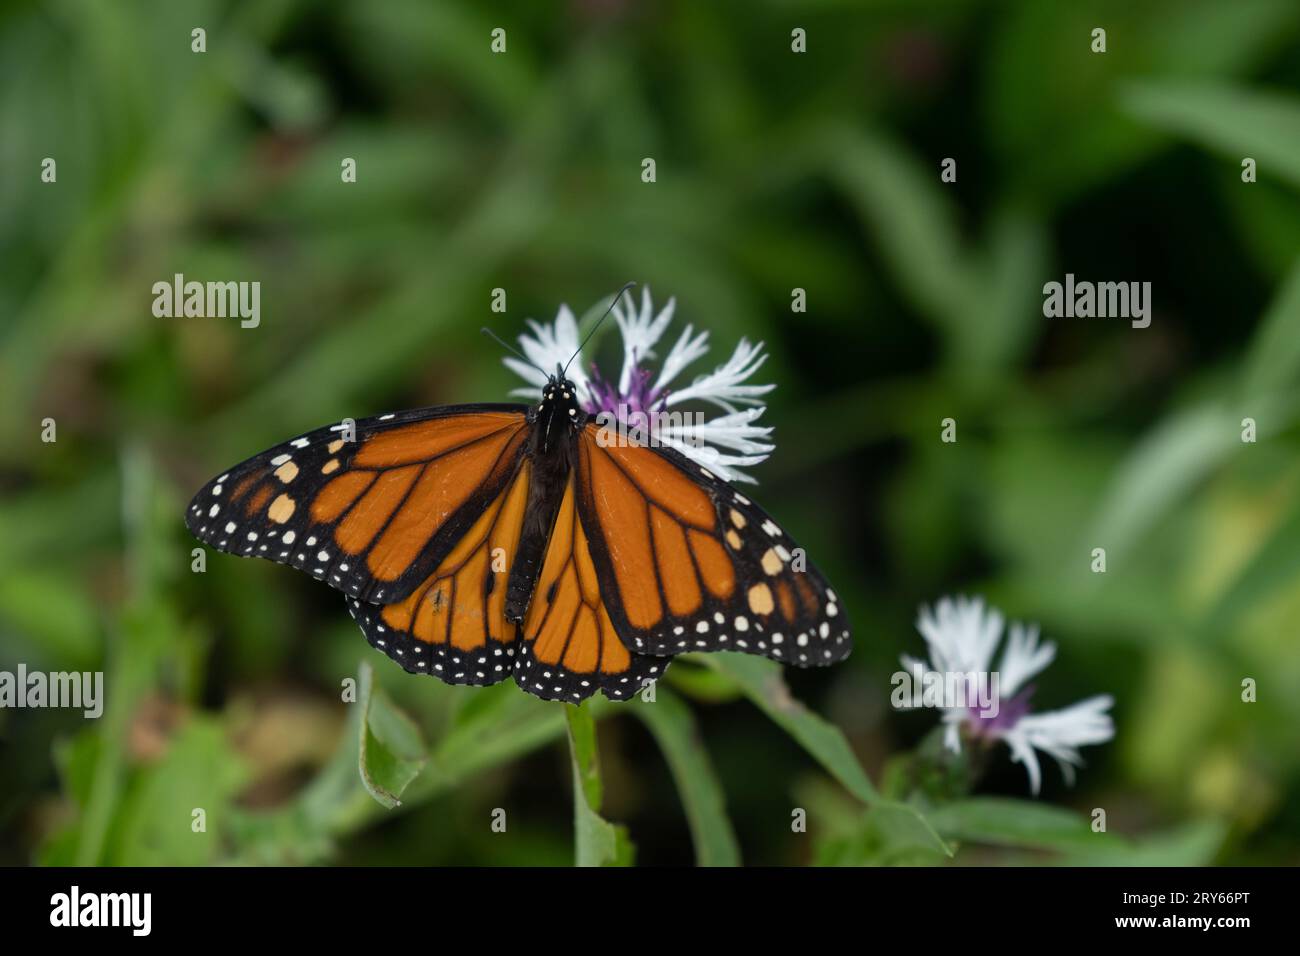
775, 171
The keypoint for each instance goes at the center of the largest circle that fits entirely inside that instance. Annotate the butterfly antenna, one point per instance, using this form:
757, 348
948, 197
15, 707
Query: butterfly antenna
614, 301
508, 347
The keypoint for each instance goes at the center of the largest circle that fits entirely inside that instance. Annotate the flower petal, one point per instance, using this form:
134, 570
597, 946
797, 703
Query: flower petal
1059, 734
1022, 752
1022, 658
961, 634
724, 444
722, 465
685, 350
723, 386
952, 730
641, 331
548, 347
735, 431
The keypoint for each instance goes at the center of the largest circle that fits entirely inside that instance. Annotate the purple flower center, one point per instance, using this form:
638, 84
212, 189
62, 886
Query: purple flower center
1009, 714
641, 396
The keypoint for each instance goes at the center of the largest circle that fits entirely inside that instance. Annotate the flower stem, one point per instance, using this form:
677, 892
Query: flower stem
586, 759
596, 841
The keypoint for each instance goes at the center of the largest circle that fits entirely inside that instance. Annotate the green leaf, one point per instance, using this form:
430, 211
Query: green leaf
1065, 136
1275, 565
1027, 824
1188, 445
762, 682
984, 302
597, 841
76, 759
494, 726
1231, 120
701, 683
1274, 359
56, 618
1164, 467
500, 724
1019, 823
906, 830
913, 220
391, 753
1192, 844
886, 833
674, 729
999, 324
200, 771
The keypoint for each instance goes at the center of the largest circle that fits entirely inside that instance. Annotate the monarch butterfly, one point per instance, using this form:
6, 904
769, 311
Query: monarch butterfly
485, 541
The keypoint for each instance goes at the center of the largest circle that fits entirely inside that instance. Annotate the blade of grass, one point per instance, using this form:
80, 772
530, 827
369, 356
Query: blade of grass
763, 684
1231, 120
670, 722
1018, 823
1274, 357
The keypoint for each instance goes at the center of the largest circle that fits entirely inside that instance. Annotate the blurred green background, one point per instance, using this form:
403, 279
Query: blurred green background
775, 171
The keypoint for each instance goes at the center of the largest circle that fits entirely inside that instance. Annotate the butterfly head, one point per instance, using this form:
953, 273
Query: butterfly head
559, 408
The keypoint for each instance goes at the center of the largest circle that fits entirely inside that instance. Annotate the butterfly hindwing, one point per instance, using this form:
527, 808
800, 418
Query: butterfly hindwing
570, 648
687, 563
454, 626
371, 517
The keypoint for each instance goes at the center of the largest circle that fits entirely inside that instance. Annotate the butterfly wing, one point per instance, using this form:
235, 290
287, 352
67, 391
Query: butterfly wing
571, 648
453, 625
687, 563
417, 520
371, 517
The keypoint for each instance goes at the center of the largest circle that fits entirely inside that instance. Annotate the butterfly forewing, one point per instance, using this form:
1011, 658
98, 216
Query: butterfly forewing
374, 516
453, 625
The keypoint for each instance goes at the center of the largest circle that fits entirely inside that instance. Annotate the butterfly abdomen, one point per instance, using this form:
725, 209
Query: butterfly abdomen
552, 462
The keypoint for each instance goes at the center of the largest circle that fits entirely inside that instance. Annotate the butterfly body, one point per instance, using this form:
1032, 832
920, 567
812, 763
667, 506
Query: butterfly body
479, 542
554, 424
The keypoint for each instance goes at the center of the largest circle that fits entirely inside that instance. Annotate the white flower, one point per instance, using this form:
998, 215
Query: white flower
724, 444
1060, 733
641, 330
549, 347
962, 637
